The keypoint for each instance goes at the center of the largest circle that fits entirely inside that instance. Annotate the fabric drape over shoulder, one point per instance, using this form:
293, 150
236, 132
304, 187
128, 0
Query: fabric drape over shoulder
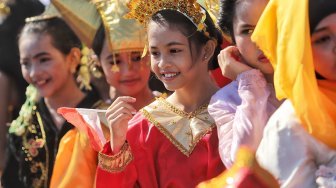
283, 35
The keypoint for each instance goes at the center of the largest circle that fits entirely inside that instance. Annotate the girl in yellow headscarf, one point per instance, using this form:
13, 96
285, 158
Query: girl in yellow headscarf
299, 39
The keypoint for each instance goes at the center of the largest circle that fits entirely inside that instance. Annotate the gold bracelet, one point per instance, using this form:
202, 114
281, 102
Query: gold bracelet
117, 162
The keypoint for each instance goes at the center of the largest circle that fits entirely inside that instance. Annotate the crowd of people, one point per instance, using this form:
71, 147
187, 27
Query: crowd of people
168, 93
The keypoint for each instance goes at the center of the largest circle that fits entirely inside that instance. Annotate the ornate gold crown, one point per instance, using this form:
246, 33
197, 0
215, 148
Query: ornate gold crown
144, 10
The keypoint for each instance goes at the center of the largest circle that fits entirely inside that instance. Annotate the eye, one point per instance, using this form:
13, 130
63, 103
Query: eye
174, 50
247, 31
24, 63
322, 39
135, 57
117, 61
154, 53
44, 59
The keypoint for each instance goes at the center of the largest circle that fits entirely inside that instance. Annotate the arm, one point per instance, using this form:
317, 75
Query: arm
117, 170
4, 104
242, 124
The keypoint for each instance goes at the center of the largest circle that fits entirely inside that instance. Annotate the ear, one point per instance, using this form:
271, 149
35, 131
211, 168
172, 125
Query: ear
74, 58
209, 50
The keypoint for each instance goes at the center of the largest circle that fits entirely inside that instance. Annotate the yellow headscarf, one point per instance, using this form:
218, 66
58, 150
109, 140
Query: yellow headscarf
283, 35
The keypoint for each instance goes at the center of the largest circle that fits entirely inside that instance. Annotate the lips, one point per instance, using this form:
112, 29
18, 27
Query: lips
263, 59
169, 75
41, 83
130, 81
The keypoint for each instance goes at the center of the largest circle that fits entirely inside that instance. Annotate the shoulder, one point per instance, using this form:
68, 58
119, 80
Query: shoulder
227, 95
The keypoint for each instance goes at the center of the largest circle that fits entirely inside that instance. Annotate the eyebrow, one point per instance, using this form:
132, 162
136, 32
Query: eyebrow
171, 44
319, 30
247, 26
40, 54
111, 56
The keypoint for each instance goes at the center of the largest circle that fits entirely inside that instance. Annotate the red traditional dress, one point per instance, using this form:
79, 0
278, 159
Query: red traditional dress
166, 147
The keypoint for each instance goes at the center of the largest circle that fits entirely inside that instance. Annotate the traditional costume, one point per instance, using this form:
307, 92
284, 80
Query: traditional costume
242, 108
300, 136
76, 162
34, 138
33, 142
166, 147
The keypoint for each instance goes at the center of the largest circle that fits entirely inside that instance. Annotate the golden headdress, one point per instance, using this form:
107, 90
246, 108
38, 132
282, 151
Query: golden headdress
144, 10
283, 34
122, 34
81, 16
50, 12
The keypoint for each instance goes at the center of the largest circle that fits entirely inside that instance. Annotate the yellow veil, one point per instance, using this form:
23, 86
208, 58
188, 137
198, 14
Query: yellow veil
283, 35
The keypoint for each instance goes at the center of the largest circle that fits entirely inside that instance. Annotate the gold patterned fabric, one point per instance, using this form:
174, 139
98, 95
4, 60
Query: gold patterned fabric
82, 16
50, 12
143, 10
123, 34
183, 129
117, 162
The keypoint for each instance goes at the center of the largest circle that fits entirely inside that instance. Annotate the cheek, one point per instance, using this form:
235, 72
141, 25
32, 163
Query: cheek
25, 74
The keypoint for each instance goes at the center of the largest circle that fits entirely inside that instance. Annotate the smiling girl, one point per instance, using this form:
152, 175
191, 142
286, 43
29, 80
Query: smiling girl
49, 56
171, 142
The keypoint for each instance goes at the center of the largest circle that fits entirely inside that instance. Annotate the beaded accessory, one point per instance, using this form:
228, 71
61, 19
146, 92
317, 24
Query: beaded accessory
4, 11
19, 125
144, 10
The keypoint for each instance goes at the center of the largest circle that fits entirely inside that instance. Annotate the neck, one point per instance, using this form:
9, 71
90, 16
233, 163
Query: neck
69, 96
269, 78
195, 95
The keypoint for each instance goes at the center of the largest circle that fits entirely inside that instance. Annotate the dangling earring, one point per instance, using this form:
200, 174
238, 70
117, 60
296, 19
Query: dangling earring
115, 67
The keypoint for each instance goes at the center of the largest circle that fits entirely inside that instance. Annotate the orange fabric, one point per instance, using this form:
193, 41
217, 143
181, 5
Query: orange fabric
76, 119
76, 162
283, 35
245, 172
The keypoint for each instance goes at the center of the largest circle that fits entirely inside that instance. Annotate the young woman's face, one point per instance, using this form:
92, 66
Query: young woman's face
43, 65
247, 14
133, 74
324, 47
171, 57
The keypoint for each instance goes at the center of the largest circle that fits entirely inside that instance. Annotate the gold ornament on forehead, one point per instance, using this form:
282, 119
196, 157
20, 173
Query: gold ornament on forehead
123, 35
144, 10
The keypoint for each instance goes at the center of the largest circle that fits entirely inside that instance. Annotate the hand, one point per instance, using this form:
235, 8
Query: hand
231, 67
118, 115
326, 177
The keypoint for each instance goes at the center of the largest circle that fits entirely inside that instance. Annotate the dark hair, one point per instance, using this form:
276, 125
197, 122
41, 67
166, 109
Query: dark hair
177, 20
63, 37
318, 10
227, 13
98, 41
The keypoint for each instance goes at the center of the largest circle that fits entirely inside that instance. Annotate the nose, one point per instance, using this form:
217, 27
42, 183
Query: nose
163, 62
33, 70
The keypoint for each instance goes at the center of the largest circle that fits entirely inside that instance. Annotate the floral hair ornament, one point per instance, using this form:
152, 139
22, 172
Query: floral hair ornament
123, 35
144, 10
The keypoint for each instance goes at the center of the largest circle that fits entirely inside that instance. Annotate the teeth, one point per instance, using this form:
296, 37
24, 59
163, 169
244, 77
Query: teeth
41, 82
170, 75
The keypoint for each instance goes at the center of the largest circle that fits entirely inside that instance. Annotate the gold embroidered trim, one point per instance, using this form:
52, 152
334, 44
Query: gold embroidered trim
181, 112
194, 140
117, 162
44, 171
